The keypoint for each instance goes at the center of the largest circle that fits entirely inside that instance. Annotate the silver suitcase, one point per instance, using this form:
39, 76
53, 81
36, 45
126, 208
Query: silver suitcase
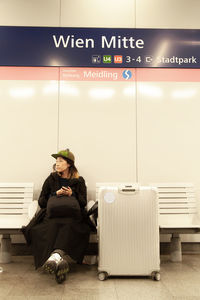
128, 231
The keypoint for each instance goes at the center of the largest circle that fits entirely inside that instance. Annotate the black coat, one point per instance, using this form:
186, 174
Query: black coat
44, 234
51, 185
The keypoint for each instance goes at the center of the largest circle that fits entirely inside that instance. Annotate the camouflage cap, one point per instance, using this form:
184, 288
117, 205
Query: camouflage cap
65, 154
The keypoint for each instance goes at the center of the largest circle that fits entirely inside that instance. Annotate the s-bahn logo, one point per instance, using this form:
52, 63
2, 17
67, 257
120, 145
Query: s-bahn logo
127, 74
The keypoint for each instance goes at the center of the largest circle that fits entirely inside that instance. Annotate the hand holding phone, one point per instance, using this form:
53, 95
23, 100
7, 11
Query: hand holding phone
67, 190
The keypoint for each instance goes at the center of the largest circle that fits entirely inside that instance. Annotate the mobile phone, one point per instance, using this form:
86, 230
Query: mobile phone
65, 188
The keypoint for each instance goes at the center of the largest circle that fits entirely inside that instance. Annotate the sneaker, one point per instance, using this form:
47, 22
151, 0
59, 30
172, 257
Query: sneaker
61, 271
51, 264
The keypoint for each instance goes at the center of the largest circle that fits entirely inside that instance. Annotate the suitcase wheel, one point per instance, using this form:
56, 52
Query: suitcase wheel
102, 276
155, 276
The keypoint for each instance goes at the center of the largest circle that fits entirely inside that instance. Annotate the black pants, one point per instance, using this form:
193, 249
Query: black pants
67, 234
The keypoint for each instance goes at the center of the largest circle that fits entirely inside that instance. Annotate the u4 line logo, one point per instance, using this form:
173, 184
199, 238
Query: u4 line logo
117, 59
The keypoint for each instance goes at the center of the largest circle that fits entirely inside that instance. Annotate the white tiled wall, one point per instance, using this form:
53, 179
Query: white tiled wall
103, 135
103, 131
92, 13
167, 14
29, 12
28, 130
168, 126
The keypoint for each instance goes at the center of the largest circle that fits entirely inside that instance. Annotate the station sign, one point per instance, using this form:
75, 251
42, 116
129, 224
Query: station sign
99, 47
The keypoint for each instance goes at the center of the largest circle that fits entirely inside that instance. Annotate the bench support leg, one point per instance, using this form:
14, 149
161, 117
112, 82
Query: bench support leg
5, 254
175, 248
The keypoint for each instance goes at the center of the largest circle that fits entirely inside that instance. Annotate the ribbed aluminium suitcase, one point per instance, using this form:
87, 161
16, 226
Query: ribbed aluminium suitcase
128, 231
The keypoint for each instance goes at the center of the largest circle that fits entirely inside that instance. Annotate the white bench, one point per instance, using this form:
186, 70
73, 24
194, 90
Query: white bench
178, 213
16, 210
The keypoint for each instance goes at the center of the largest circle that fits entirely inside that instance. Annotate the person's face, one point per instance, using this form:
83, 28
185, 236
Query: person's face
61, 164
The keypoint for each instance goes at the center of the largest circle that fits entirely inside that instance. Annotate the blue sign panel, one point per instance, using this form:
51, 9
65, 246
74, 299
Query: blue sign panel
99, 47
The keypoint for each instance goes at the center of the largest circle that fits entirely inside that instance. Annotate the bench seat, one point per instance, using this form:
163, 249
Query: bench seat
16, 210
178, 213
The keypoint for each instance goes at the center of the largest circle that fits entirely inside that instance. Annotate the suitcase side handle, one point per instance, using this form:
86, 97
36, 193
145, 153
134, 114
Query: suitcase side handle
130, 189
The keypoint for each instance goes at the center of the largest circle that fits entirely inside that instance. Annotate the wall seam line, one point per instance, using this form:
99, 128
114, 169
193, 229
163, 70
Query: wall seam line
136, 125
58, 107
136, 110
60, 14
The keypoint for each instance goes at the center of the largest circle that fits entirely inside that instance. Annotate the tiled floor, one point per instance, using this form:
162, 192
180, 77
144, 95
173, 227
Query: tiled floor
19, 280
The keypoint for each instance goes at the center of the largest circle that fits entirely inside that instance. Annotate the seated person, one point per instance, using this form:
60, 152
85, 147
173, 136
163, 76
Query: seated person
56, 231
